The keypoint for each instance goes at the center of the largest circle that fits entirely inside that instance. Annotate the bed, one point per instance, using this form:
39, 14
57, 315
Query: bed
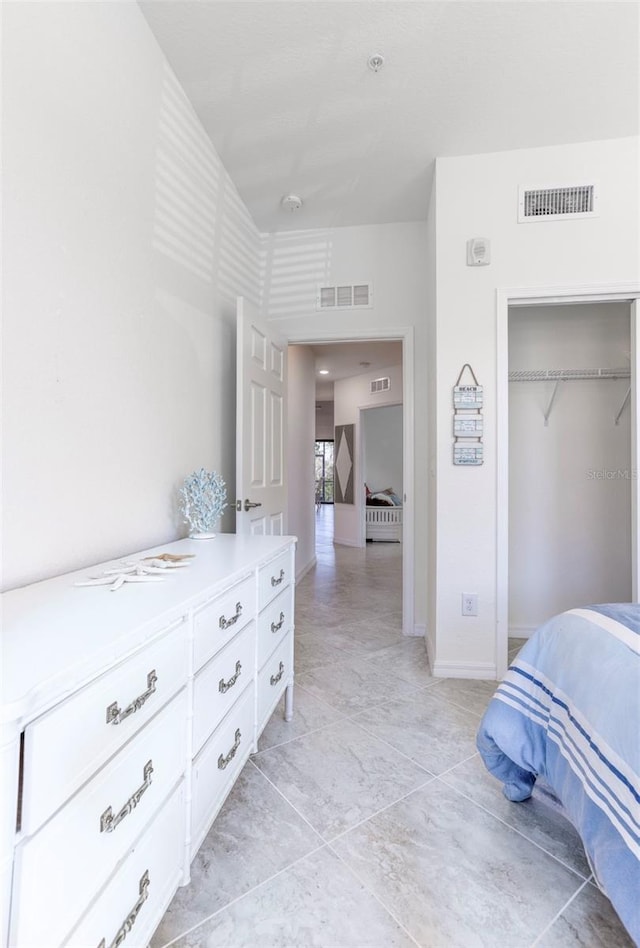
568, 712
383, 515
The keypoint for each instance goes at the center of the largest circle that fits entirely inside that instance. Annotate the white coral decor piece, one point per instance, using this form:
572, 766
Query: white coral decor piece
202, 500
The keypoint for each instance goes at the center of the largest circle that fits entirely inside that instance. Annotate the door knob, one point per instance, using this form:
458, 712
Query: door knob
247, 505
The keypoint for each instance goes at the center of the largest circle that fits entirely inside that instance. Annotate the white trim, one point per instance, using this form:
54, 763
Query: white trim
542, 296
464, 670
305, 569
521, 631
338, 541
634, 358
419, 631
406, 336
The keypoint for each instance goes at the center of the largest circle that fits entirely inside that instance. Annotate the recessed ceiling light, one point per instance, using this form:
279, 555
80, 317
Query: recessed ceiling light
323, 371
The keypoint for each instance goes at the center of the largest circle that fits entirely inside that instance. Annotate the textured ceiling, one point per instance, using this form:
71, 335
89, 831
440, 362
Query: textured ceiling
283, 89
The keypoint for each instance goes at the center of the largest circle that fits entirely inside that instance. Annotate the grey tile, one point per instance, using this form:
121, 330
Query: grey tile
351, 685
255, 835
314, 904
312, 650
589, 921
339, 776
472, 694
309, 714
515, 642
434, 733
453, 875
535, 819
407, 659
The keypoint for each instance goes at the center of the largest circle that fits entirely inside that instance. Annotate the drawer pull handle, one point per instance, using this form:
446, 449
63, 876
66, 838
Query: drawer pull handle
225, 685
276, 626
226, 623
225, 761
108, 821
116, 716
276, 581
130, 920
276, 678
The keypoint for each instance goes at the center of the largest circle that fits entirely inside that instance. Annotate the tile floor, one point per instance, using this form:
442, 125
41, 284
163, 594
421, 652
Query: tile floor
369, 820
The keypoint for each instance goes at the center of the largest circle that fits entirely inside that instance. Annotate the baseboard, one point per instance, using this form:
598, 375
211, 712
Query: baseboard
305, 569
419, 630
340, 542
521, 631
431, 651
464, 670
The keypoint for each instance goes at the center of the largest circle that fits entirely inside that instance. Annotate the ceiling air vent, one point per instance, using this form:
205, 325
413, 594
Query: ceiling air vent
567, 203
379, 385
347, 296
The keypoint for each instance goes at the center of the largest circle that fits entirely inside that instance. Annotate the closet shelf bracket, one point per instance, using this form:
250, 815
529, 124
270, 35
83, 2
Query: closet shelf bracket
624, 402
550, 405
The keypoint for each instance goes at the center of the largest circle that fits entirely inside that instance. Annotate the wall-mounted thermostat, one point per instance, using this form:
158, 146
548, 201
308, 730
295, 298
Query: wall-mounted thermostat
478, 252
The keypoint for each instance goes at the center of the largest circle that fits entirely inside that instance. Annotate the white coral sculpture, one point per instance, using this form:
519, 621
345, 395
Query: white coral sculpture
202, 500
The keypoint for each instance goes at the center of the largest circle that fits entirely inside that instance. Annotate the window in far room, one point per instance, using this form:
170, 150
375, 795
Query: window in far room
324, 472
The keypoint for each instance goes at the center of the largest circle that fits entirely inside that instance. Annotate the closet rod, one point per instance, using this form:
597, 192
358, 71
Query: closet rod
566, 375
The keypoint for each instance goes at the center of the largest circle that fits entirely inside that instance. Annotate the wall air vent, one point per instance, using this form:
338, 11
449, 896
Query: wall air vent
347, 296
379, 385
560, 203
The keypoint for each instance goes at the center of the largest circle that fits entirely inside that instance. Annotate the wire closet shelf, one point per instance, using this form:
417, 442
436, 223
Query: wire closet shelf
571, 375
566, 375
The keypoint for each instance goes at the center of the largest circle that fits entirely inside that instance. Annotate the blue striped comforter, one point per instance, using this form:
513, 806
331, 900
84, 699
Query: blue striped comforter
568, 710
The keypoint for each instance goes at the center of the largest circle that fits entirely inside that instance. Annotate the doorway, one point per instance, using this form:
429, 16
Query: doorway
350, 518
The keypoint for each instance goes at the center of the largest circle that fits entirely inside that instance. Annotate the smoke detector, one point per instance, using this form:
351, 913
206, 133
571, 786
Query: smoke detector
291, 202
375, 62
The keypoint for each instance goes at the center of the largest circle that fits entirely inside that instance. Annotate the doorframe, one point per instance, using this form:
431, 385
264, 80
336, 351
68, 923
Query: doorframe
406, 336
507, 297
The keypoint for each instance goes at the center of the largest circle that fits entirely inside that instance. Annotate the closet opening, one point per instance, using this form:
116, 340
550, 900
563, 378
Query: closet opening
570, 459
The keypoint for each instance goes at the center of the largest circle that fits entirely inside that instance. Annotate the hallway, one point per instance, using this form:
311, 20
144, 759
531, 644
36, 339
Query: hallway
369, 820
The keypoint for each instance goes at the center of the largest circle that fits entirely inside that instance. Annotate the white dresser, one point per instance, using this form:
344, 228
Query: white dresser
126, 718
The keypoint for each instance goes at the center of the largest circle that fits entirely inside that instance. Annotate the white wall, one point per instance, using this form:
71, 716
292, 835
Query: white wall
324, 421
351, 395
477, 196
125, 244
300, 454
382, 448
391, 257
569, 523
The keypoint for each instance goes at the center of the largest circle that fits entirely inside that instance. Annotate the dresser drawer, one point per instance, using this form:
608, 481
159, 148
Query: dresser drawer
273, 678
274, 577
66, 746
218, 764
72, 856
274, 623
219, 620
134, 901
220, 683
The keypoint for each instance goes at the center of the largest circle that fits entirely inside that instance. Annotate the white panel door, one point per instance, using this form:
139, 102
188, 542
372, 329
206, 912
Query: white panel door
261, 408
